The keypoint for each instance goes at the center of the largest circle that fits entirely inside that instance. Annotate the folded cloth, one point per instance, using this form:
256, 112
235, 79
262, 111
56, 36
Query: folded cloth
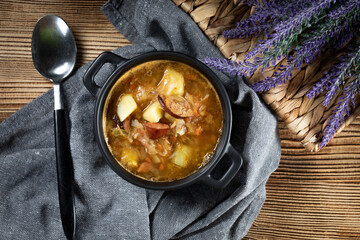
108, 207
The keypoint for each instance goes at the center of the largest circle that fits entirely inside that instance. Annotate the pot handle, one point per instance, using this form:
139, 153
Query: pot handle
236, 163
89, 76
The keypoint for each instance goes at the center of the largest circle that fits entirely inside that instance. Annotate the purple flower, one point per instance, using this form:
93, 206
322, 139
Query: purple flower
279, 77
300, 31
345, 8
335, 77
266, 16
346, 36
287, 32
230, 67
341, 110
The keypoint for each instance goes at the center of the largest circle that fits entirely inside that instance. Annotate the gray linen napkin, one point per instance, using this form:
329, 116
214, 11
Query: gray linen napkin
108, 207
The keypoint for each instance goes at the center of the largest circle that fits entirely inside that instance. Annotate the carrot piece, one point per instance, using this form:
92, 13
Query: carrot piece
198, 131
147, 159
161, 166
145, 167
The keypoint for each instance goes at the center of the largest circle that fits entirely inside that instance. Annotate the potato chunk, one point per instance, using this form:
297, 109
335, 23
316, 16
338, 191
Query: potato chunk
154, 112
181, 155
155, 159
130, 158
172, 83
126, 106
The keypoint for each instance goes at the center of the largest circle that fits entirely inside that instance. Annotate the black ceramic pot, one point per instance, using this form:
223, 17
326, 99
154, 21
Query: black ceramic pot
224, 149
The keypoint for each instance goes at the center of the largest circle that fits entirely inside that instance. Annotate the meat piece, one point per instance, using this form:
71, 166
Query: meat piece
139, 133
176, 106
156, 130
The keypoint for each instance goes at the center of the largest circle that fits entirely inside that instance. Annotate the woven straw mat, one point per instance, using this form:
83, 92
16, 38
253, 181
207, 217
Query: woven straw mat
306, 118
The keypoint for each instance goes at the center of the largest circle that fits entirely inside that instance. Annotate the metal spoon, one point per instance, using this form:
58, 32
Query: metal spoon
54, 50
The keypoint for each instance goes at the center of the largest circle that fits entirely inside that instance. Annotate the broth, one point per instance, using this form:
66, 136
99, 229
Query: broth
162, 120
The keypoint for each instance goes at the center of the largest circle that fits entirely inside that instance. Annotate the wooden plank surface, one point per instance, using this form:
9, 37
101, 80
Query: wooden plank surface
310, 196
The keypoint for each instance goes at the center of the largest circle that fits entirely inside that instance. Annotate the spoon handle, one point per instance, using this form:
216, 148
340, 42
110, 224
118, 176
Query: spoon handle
65, 174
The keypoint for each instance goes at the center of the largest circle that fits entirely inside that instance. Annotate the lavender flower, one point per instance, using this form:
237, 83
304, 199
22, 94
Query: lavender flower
341, 110
279, 43
344, 22
279, 77
335, 77
346, 36
315, 41
230, 67
265, 17
350, 6
300, 31
290, 19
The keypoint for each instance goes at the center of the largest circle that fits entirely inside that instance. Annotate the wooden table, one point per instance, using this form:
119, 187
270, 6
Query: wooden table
310, 196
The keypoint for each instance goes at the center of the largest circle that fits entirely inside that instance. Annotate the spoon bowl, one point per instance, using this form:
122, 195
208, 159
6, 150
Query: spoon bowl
53, 48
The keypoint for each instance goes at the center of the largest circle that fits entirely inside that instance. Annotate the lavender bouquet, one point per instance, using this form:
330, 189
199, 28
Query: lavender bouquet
301, 31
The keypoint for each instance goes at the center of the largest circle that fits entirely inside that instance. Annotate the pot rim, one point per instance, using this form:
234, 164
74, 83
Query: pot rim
226, 131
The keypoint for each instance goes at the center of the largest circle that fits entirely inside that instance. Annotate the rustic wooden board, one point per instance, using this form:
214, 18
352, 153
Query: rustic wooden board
310, 196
